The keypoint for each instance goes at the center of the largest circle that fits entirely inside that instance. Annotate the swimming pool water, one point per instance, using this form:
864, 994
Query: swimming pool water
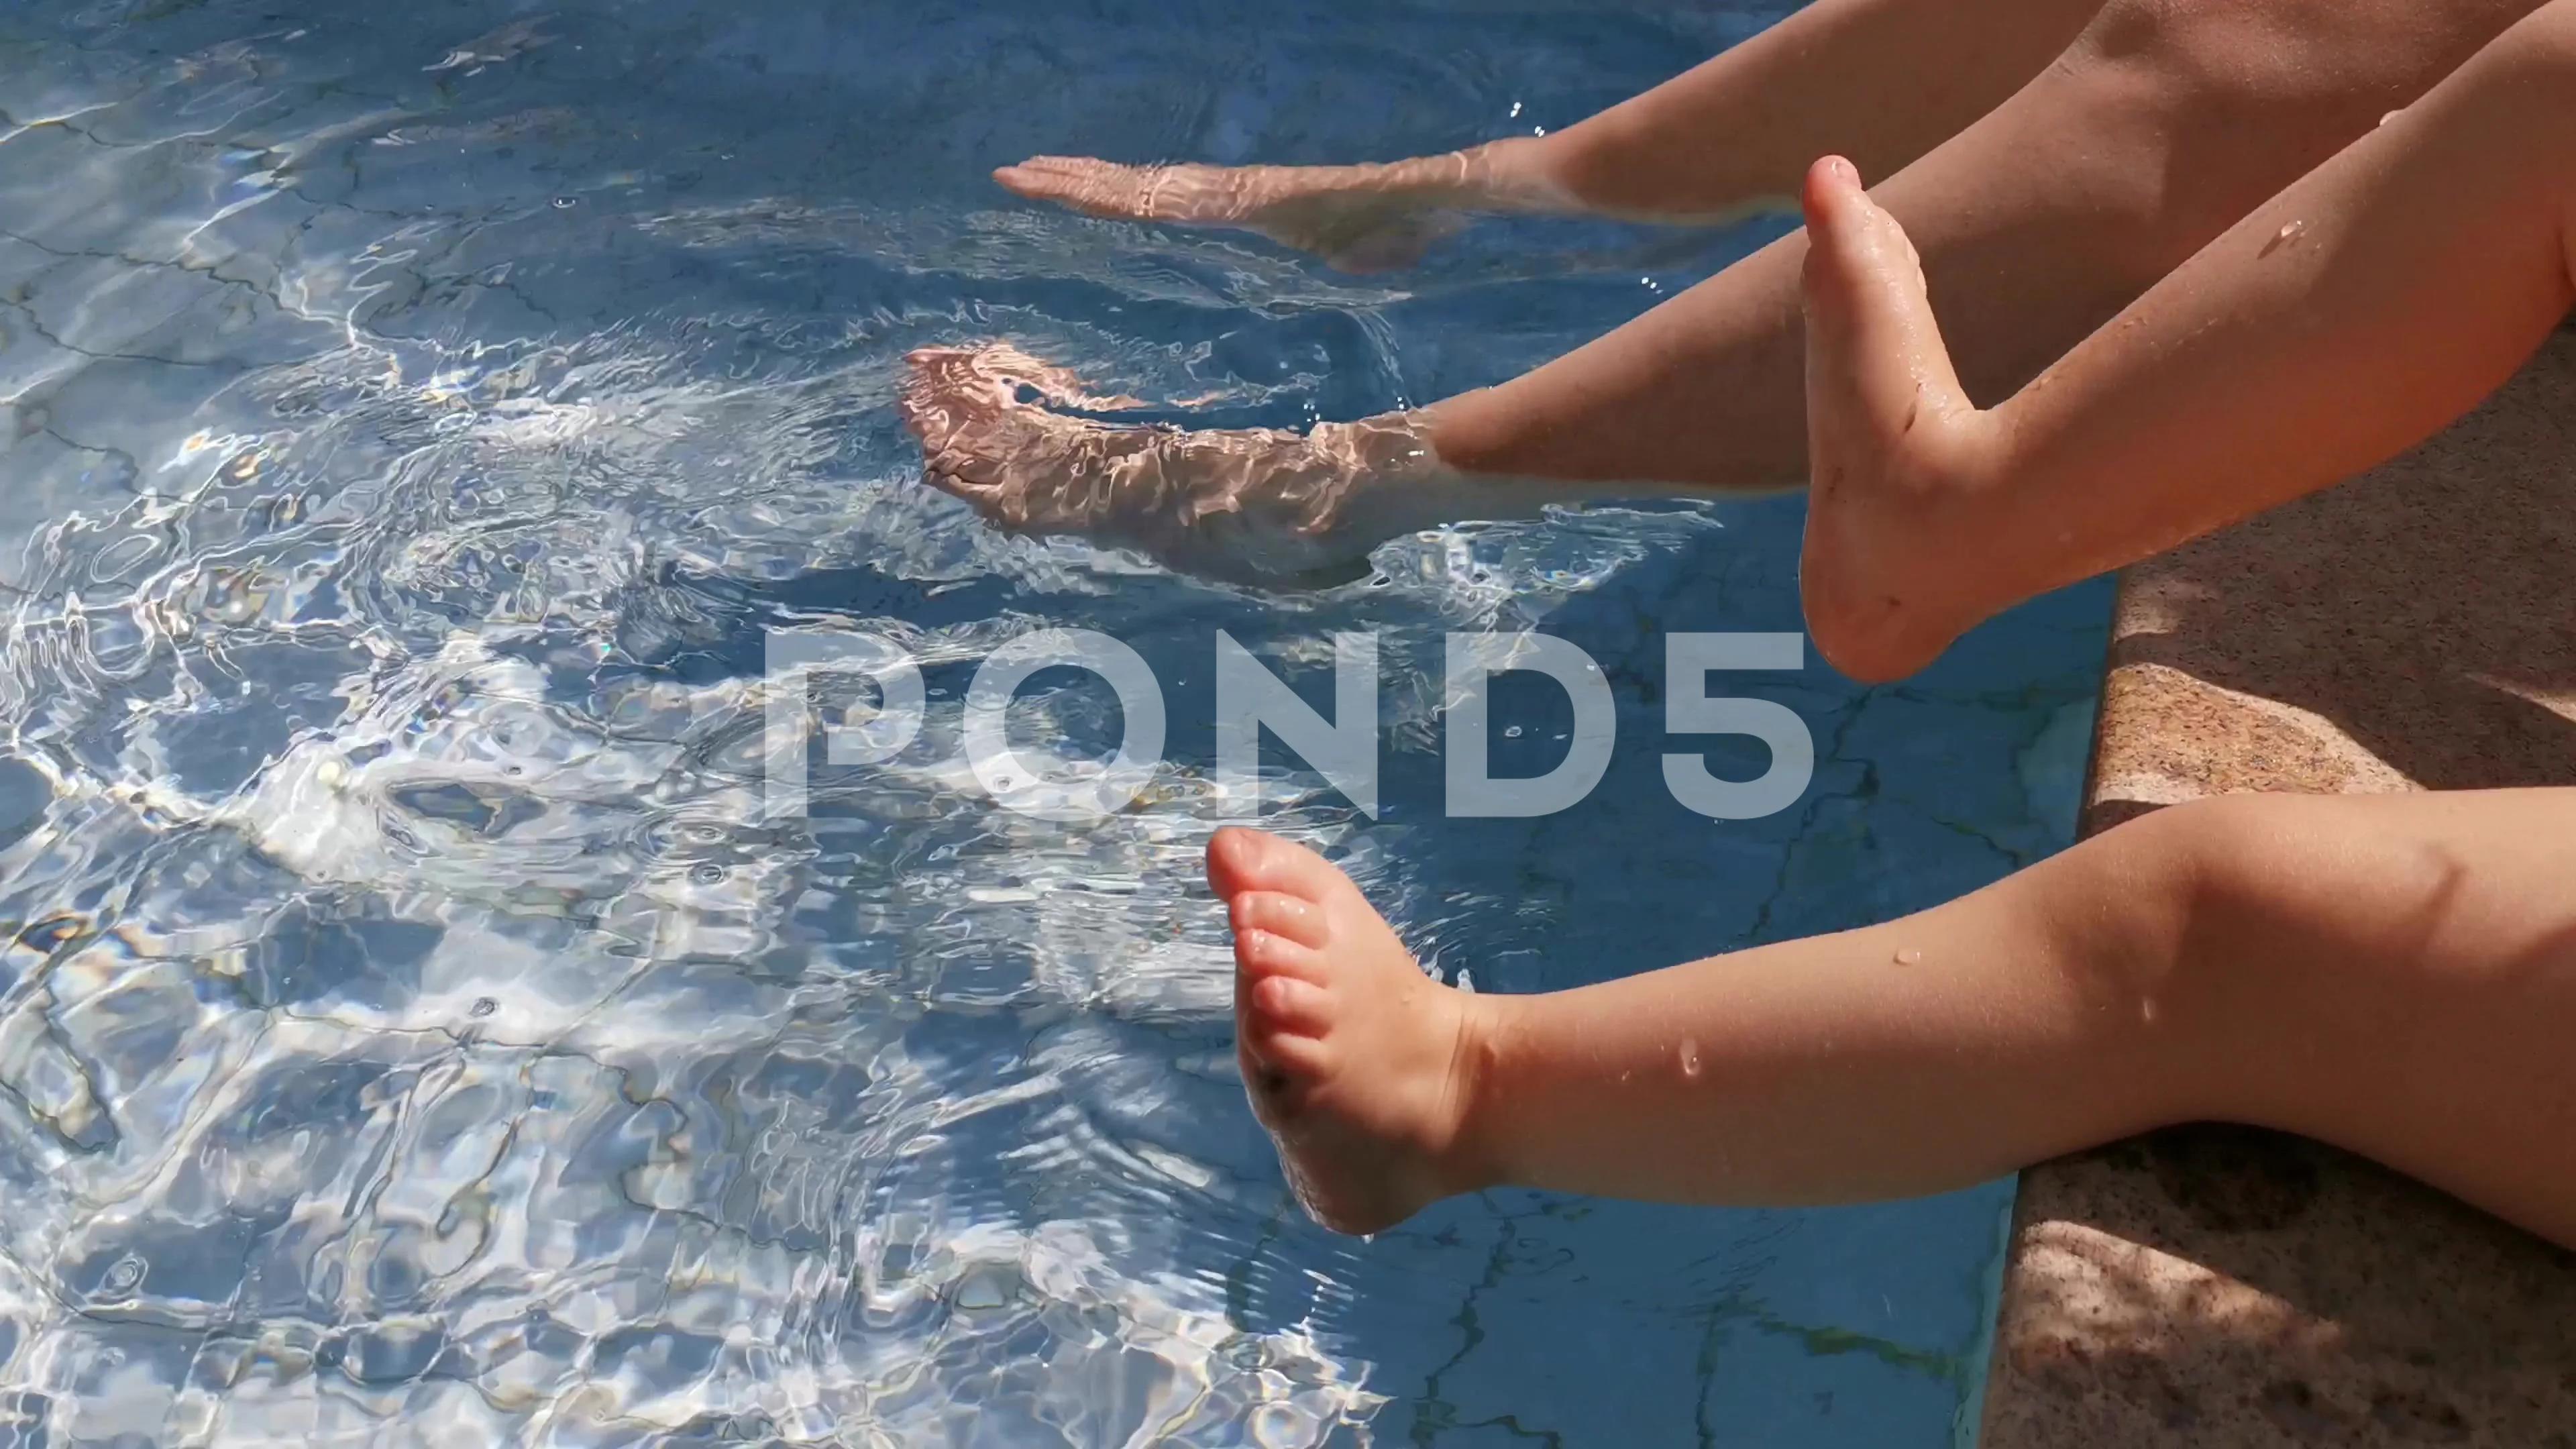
415, 1031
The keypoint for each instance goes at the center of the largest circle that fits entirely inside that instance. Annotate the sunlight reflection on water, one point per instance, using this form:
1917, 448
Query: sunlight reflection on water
415, 1029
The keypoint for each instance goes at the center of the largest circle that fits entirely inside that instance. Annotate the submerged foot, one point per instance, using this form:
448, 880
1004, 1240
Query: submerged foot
1248, 503
1362, 1067
1896, 451
1359, 218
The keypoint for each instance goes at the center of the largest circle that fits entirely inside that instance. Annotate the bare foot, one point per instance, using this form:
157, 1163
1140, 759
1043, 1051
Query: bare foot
1359, 218
1898, 454
1248, 503
1363, 1068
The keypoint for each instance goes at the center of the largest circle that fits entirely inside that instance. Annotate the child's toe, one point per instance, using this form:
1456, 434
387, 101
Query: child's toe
1262, 954
1291, 1062
1285, 1004
1231, 855
1241, 859
1293, 917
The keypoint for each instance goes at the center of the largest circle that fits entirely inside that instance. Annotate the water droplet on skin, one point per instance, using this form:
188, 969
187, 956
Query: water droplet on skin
2290, 231
1690, 1059
2392, 115
485, 1006
1909, 957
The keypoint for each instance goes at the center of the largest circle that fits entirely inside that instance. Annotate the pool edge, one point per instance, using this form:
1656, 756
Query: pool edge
2221, 1287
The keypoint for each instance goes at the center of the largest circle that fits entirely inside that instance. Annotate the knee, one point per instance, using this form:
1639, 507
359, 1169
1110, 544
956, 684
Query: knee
2185, 39
2367, 56
2293, 885
2207, 52
2209, 107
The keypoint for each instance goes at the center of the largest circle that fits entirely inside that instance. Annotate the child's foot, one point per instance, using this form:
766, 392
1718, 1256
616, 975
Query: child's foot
1363, 1068
1359, 218
1250, 503
1896, 451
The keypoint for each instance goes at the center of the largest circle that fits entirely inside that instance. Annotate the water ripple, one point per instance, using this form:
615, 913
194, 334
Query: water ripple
415, 1026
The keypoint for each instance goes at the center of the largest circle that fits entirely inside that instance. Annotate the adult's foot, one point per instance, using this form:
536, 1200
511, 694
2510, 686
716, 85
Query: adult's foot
1899, 457
1359, 218
1256, 504
1364, 1069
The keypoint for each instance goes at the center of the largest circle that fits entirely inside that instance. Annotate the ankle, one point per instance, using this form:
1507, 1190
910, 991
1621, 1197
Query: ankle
1881, 597
1390, 482
1479, 1154
1947, 463
1948, 495
1522, 173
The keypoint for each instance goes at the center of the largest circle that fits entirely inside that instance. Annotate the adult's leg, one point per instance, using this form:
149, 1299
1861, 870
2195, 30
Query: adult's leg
2159, 128
2392, 974
2164, 123
2372, 302
1882, 81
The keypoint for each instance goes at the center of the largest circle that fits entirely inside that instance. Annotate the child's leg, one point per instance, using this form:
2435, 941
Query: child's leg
2393, 974
2373, 301
1880, 80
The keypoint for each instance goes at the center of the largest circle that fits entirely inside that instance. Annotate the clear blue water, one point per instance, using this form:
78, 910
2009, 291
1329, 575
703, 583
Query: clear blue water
414, 1032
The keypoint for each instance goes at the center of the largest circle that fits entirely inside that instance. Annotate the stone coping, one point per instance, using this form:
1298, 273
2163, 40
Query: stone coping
2414, 628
